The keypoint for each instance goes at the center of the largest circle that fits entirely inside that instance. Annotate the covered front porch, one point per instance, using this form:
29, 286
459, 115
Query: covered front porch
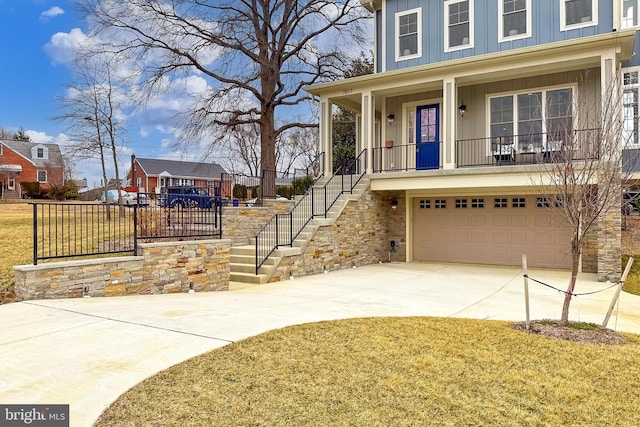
501, 109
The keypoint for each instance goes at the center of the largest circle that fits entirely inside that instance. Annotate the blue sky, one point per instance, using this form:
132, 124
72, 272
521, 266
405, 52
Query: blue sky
35, 38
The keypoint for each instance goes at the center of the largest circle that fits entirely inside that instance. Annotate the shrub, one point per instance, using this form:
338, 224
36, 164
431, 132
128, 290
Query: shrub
240, 191
284, 191
302, 185
30, 189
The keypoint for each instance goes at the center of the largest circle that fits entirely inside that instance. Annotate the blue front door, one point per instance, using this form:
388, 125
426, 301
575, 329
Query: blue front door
428, 137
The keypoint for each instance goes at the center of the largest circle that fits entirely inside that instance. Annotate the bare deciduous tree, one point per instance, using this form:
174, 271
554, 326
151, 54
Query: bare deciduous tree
580, 171
92, 110
258, 54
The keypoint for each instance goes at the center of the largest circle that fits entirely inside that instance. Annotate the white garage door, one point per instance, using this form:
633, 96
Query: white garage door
490, 230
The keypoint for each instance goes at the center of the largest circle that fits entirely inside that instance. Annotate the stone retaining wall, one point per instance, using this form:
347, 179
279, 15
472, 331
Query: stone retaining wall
241, 224
358, 237
162, 268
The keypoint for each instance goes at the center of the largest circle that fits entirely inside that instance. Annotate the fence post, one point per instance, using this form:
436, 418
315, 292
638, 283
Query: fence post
135, 229
616, 296
35, 234
526, 289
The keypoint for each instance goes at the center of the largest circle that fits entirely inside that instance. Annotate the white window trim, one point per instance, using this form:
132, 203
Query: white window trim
469, 45
635, 86
418, 54
38, 176
514, 94
621, 13
11, 184
563, 18
501, 37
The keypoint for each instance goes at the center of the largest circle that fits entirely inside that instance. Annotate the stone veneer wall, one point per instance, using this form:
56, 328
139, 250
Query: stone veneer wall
610, 245
241, 224
165, 267
358, 237
590, 250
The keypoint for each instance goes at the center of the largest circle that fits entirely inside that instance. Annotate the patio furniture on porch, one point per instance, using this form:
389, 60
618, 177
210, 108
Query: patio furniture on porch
503, 150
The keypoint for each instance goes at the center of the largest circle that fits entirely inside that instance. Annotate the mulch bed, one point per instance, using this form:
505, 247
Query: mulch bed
592, 336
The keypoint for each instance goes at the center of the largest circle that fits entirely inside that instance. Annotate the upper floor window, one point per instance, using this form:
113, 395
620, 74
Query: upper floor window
630, 114
629, 13
408, 34
42, 176
40, 153
458, 24
0, 149
578, 13
514, 20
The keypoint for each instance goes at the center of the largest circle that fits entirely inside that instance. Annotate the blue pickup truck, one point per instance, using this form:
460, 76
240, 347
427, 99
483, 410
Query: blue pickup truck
187, 196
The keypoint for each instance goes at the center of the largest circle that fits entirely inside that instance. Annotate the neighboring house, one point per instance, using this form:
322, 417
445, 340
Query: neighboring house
155, 175
22, 161
463, 93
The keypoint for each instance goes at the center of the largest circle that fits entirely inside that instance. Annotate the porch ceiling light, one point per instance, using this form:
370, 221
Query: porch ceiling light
390, 118
461, 109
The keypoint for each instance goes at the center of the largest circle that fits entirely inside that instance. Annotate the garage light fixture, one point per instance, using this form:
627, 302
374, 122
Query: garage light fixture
394, 204
461, 109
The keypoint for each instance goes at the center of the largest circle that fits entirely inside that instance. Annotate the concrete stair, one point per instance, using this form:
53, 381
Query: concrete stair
243, 258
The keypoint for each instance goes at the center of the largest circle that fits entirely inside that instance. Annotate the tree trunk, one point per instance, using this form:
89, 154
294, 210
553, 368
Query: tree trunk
575, 262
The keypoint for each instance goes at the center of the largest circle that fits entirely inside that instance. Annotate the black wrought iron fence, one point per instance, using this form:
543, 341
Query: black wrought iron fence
69, 230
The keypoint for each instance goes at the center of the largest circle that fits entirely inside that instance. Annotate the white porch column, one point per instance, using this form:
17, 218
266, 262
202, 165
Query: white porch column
325, 131
368, 127
449, 119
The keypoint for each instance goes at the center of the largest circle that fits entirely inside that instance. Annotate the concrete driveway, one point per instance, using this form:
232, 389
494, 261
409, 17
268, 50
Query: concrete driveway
87, 352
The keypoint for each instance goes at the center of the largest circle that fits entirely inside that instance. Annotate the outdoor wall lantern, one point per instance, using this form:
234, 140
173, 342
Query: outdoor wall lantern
461, 109
390, 118
394, 204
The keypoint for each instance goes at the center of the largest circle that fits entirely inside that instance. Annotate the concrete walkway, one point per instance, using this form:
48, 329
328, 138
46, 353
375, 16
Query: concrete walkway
87, 352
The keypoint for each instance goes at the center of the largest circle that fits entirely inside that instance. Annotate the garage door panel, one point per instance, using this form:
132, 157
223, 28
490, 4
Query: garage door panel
491, 235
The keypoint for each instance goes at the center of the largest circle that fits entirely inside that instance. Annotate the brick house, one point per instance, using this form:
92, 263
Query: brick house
23, 161
465, 97
154, 175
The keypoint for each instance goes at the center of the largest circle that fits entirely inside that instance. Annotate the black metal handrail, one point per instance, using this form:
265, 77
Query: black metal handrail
534, 148
283, 229
401, 157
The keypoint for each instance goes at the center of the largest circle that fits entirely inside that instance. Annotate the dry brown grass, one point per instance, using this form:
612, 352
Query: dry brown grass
16, 247
392, 372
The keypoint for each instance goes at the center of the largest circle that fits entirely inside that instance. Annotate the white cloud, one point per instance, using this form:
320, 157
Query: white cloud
62, 45
51, 13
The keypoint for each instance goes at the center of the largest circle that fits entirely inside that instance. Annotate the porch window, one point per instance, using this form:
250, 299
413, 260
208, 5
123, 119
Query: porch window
630, 108
458, 24
501, 117
530, 121
629, 13
408, 34
559, 114
578, 13
514, 19
528, 116
42, 176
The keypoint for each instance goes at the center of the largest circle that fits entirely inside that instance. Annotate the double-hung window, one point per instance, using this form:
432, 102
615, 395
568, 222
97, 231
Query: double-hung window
42, 176
630, 109
532, 121
578, 13
458, 24
514, 19
408, 34
629, 11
